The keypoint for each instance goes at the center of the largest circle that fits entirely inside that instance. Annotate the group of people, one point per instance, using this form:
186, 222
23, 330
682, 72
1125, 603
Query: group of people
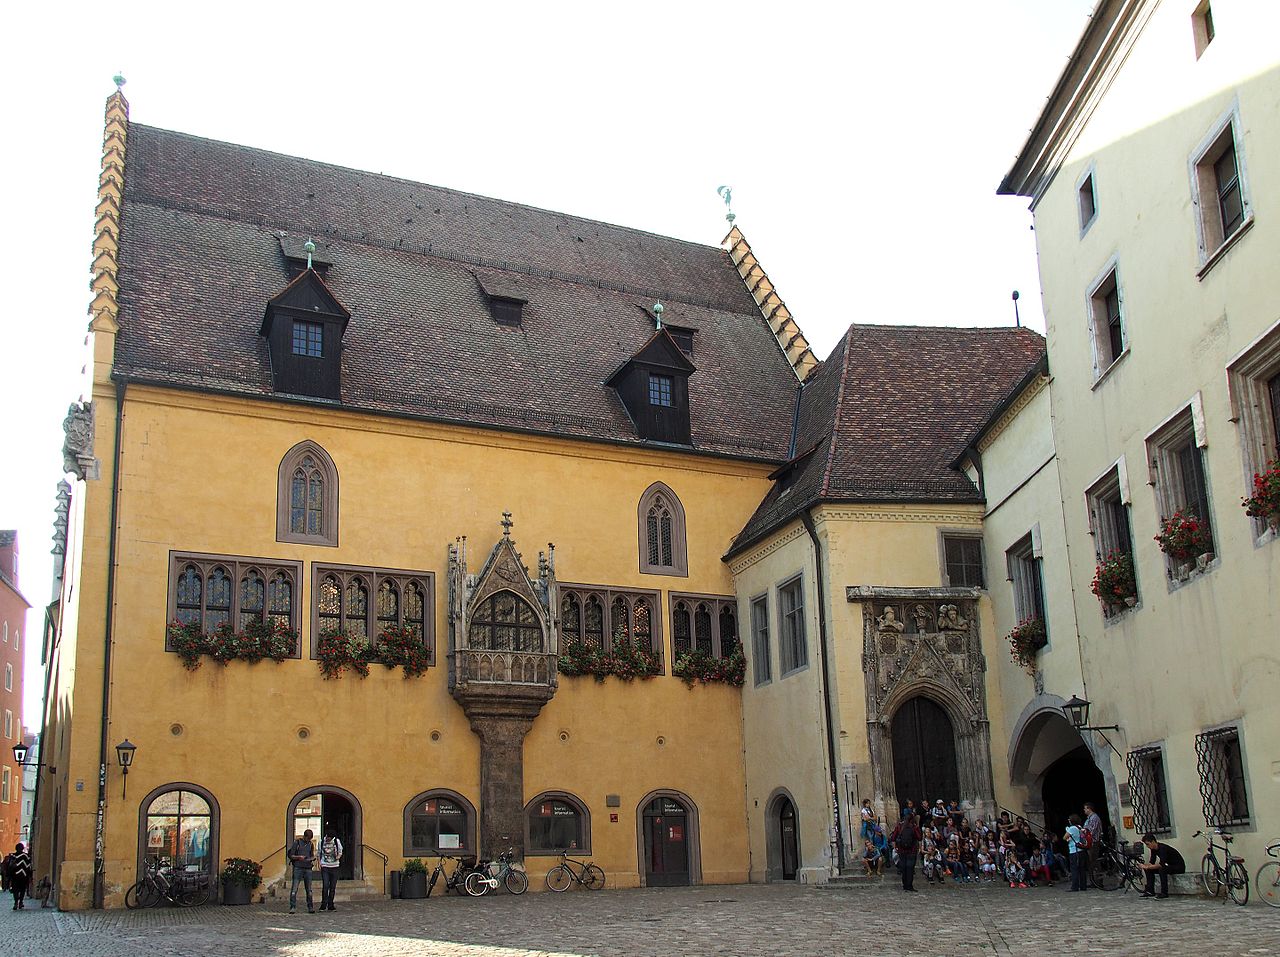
302, 855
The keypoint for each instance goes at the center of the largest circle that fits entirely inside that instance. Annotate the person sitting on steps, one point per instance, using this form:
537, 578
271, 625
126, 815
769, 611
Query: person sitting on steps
1165, 860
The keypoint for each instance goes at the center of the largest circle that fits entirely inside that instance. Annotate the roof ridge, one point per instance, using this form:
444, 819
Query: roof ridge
825, 488
713, 247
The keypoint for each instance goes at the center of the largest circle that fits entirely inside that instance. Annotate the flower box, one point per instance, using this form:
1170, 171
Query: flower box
1264, 503
1114, 582
1027, 638
1183, 536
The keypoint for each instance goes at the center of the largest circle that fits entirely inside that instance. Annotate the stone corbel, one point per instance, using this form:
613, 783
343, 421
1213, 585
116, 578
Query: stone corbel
77, 447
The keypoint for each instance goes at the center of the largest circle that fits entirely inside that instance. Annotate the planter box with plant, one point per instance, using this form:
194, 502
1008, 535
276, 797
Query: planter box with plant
700, 666
1264, 503
1114, 582
413, 880
240, 878
259, 640
1183, 537
1027, 638
625, 661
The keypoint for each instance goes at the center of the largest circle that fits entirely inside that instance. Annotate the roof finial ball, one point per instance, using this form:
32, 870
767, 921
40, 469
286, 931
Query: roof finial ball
657, 314
118, 80
726, 193
308, 247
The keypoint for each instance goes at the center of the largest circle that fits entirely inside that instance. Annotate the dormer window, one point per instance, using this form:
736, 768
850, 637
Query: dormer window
660, 390
506, 311
308, 339
683, 338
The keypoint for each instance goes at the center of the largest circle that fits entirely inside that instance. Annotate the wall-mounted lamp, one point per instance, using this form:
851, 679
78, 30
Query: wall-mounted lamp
20, 752
124, 754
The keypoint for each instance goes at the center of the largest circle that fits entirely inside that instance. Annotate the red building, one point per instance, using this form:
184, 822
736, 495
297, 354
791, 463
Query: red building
13, 624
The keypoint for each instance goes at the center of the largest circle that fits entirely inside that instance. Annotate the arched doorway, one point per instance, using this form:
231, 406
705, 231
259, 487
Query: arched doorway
665, 825
179, 823
782, 837
321, 808
1068, 783
788, 839
924, 752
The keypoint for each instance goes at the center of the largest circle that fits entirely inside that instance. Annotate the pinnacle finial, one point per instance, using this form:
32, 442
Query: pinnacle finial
119, 81
726, 193
308, 247
657, 313
506, 524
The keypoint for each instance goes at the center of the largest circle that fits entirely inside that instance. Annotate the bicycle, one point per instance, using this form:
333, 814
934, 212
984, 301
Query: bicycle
452, 881
160, 883
1117, 867
1267, 879
1229, 874
569, 872
490, 874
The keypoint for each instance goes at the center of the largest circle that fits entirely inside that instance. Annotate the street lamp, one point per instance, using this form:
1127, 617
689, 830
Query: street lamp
1077, 712
124, 754
20, 752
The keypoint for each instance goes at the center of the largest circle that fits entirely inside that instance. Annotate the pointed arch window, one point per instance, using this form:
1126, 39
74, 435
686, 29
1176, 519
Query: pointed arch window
661, 528
215, 591
605, 618
307, 496
707, 624
505, 622
364, 602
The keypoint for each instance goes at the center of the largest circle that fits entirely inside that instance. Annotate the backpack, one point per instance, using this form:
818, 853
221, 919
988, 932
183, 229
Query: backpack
905, 838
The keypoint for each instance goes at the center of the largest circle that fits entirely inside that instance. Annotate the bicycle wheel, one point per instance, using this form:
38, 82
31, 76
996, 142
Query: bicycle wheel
559, 878
1210, 875
141, 894
1268, 883
1105, 874
593, 877
476, 885
1238, 882
194, 896
517, 881
435, 876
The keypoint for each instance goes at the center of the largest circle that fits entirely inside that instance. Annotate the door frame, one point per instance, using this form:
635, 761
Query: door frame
693, 840
357, 826
773, 835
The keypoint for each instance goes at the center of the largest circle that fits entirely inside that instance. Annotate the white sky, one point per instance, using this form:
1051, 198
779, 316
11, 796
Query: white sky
864, 143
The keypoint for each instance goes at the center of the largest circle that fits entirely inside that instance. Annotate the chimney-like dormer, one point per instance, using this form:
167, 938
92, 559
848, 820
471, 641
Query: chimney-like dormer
654, 386
304, 326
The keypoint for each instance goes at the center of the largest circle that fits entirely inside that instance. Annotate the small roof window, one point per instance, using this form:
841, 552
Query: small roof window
506, 311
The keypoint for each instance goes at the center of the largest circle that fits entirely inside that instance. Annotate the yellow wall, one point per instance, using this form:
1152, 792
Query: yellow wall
199, 474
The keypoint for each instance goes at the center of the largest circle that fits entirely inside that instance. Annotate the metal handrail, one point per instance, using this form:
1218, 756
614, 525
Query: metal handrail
385, 861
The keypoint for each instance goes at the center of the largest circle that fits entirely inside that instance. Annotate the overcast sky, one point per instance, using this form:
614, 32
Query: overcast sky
864, 143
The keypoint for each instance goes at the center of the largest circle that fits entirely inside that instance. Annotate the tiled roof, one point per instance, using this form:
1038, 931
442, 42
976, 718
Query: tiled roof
891, 410
201, 254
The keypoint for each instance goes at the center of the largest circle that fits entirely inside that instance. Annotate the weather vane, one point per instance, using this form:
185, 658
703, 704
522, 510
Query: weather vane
726, 193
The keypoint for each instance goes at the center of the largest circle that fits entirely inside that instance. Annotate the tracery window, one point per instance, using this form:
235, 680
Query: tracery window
505, 622
602, 618
307, 496
364, 602
213, 591
707, 624
663, 548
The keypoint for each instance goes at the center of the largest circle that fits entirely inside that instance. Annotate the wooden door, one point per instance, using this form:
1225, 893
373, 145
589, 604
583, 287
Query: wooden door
789, 842
924, 753
666, 843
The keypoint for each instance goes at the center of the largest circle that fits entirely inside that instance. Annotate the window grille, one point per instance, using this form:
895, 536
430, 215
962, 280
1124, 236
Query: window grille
1149, 791
1222, 784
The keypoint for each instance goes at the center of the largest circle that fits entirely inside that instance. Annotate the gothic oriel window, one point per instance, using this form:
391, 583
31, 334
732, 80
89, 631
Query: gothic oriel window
662, 533
364, 602
307, 496
212, 592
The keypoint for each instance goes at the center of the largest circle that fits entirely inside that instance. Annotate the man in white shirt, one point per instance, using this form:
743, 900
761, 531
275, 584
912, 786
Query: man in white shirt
330, 858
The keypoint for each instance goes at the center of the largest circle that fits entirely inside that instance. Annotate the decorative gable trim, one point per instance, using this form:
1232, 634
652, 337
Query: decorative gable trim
791, 340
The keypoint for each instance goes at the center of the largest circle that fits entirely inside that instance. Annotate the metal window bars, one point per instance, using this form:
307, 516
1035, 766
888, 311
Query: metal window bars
1147, 791
1221, 771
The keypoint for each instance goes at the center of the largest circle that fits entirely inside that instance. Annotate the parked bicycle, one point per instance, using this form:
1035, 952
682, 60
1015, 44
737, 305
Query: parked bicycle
490, 874
1228, 873
1268, 877
160, 882
1117, 866
569, 872
454, 880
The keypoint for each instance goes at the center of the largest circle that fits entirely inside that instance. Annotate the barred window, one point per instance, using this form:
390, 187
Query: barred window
603, 618
1149, 790
214, 591
704, 623
1222, 782
962, 560
364, 602
662, 532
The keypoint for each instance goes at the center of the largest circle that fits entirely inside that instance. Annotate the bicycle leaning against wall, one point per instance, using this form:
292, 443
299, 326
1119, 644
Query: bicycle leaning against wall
1268, 878
1228, 873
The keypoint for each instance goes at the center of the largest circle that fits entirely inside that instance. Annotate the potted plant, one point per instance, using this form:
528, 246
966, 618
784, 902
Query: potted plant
1184, 537
413, 880
337, 651
1027, 637
1264, 503
240, 878
1114, 581
700, 666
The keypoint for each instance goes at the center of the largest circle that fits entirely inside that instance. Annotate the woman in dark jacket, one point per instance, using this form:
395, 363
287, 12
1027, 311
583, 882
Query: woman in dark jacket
19, 867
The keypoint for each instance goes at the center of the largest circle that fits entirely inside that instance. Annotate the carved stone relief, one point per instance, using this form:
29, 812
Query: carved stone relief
77, 448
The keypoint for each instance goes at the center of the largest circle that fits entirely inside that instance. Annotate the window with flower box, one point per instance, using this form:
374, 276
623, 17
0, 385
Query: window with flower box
364, 602
1254, 381
212, 592
707, 624
1108, 503
598, 617
1027, 578
1175, 458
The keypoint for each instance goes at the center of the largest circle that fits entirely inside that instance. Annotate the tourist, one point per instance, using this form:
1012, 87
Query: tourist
955, 862
1014, 872
934, 864
939, 814
906, 841
986, 865
1037, 870
17, 867
1092, 824
302, 854
1075, 846
868, 818
1165, 860
956, 815
330, 858
872, 860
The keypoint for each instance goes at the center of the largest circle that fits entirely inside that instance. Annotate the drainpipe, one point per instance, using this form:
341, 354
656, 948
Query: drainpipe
826, 684
99, 861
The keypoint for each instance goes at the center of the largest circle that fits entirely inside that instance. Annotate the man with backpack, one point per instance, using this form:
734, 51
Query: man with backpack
906, 840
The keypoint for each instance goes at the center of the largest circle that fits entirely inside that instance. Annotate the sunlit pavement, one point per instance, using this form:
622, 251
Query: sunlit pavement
663, 922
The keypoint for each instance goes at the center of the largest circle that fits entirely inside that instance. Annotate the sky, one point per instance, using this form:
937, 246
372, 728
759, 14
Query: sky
864, 143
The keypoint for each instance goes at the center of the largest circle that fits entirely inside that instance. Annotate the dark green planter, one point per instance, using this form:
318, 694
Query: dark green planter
234, 893
413, 887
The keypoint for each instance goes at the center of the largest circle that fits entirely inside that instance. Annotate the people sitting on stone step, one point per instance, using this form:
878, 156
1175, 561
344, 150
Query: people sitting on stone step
872, 859
934, 864
1164, 860
1014, 872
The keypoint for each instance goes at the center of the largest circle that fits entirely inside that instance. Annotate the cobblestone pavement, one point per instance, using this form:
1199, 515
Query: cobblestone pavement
664, 922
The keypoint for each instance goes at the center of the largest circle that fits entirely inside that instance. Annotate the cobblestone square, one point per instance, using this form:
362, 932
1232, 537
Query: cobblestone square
726, 921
